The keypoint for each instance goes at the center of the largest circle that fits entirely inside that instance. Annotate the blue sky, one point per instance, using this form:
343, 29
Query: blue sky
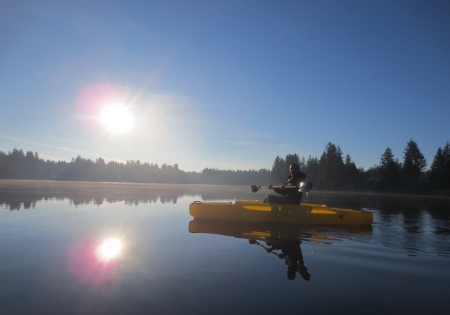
225, 84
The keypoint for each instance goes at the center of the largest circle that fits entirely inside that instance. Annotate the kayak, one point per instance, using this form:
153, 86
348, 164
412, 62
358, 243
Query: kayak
257, 211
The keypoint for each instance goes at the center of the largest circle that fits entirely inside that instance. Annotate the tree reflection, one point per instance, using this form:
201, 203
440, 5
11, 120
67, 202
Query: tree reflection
18, 194
440, 213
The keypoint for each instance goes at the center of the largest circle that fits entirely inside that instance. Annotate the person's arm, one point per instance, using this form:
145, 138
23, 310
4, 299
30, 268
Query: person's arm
277, 190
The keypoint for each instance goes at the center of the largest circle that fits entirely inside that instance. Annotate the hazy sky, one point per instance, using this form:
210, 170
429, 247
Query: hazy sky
224, 84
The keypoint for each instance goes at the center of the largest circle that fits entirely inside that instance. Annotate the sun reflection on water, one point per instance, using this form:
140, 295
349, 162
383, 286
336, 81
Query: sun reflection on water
95, 262
109, 249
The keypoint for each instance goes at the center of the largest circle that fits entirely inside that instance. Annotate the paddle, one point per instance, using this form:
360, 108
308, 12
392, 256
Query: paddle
304, 187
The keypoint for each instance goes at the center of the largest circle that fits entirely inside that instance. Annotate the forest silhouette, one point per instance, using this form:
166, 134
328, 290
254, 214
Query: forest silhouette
331, 171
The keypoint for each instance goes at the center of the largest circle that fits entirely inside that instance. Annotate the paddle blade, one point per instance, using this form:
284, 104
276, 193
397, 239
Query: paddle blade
306, 187
254, 188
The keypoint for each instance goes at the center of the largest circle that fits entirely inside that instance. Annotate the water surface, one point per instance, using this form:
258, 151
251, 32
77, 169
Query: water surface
50, 233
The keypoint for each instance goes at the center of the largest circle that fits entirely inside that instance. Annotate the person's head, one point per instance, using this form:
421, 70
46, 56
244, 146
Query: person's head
294, 168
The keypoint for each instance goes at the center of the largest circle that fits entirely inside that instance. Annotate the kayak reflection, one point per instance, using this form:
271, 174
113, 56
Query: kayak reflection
281, 240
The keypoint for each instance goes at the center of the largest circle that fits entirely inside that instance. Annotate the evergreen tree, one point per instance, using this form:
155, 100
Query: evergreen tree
352, 176
386, 158
100, 170
440, 168
390, 169
302, 164
414, 163
331, 167
312, 169
278, 173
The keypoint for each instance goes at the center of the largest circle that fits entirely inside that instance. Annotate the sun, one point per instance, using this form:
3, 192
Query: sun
117, 118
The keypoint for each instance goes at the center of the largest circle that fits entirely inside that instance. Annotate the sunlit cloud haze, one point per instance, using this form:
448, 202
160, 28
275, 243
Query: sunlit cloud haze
224, 84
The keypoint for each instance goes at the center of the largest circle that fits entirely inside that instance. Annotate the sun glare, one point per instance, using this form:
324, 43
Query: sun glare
109, 249
117, 118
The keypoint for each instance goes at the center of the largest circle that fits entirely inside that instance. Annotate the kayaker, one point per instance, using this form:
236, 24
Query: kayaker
288, 195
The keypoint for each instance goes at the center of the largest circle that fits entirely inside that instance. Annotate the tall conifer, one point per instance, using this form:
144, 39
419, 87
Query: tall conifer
414, 162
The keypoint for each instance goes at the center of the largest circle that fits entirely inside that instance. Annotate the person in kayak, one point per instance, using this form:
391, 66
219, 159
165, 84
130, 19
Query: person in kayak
288, 195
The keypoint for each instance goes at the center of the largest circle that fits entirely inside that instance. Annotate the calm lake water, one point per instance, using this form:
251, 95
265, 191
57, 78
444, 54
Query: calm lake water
105, 248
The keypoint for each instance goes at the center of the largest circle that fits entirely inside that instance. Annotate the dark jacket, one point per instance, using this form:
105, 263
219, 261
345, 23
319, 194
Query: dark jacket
294, 195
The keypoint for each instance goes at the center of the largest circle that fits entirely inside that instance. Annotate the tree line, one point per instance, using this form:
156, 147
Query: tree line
332, 170
20, 165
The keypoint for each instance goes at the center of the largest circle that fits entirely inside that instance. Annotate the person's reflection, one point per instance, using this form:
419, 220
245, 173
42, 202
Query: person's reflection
290, 252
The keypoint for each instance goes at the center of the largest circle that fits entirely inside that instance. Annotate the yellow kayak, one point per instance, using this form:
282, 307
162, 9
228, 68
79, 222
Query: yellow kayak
257, 211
